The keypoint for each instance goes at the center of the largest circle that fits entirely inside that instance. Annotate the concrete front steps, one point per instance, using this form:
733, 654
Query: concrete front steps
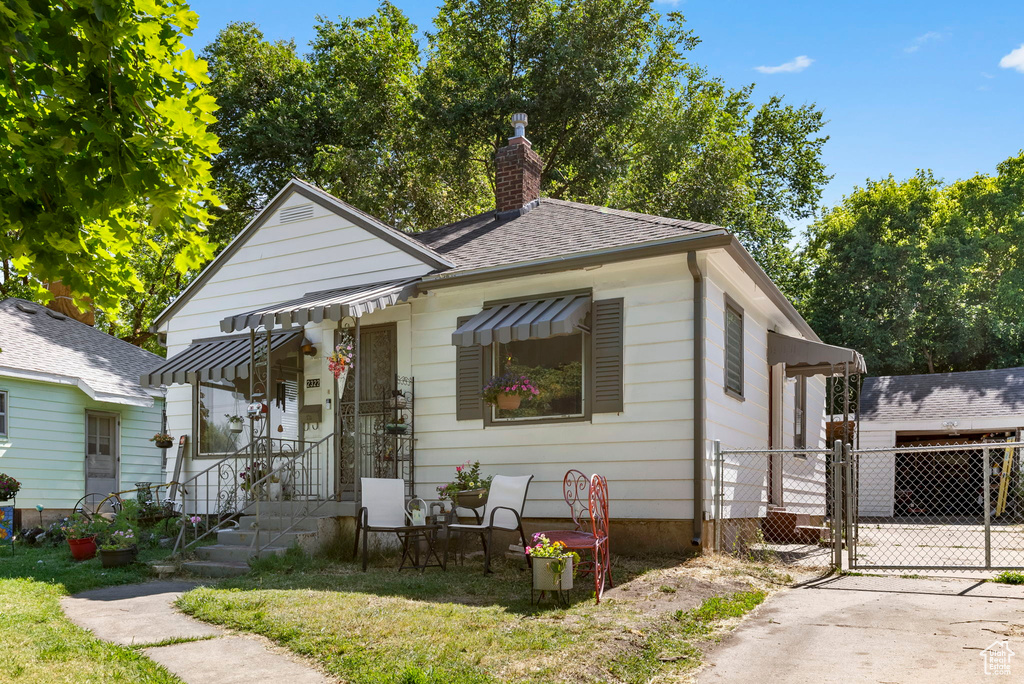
783, 527
235, 546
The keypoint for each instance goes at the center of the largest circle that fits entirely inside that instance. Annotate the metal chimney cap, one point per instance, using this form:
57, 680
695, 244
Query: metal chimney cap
519, 125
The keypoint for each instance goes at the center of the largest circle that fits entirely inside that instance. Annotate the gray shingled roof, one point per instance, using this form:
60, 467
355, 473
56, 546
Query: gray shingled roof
944, 395
548, 228
50, 344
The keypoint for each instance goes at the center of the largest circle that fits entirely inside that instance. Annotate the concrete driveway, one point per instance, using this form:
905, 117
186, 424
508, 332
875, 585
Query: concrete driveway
875, 629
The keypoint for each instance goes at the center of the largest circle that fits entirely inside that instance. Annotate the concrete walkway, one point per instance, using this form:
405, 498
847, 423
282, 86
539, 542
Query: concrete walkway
142, 615
874, 629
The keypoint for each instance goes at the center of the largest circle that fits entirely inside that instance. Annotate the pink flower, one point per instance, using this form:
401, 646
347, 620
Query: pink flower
458, 469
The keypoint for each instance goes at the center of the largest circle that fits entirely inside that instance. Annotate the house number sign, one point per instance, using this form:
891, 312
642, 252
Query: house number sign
312, 383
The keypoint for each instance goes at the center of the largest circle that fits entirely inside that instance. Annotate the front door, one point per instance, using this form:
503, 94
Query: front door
376, 364
102, 455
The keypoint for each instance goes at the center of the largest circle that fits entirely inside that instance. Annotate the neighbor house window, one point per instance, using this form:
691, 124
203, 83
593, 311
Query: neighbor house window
733, 349
554, 366
3, 414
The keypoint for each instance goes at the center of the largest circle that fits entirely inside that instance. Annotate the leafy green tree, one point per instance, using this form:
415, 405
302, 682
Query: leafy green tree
922, 277
104, 145
617, 112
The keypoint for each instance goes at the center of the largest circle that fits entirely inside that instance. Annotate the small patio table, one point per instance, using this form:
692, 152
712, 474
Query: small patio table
411, 535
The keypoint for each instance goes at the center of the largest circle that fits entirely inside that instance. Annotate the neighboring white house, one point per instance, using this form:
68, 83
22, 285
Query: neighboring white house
933, 409
73, 417
651, 338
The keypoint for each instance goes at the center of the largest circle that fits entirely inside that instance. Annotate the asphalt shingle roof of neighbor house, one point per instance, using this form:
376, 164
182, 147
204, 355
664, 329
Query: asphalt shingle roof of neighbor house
548, 228
38, 343
943, 395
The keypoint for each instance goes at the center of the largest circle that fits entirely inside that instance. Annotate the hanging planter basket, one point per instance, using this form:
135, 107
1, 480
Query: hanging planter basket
508, 402
164, 443
235, 426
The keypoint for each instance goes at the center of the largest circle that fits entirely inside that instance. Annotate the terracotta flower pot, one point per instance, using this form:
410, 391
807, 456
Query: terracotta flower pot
470, 498
118, 557
82, 549
509, 402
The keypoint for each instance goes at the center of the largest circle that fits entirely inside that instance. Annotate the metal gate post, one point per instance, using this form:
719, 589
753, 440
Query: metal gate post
850, 517
719, 494
837, 504
987, 470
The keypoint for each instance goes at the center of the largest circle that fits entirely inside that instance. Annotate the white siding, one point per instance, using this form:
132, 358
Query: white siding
45, 446
644, 451
279, 262
745, 424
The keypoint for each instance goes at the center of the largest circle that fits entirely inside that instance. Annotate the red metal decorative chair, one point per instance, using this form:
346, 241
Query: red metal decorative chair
577, 488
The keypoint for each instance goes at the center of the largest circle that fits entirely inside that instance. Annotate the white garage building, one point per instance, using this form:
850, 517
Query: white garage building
934, 409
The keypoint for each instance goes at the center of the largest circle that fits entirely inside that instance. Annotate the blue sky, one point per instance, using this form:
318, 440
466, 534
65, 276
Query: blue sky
905, 85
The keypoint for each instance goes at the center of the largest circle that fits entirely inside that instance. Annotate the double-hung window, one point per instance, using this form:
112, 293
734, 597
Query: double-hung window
800, 413
733, 349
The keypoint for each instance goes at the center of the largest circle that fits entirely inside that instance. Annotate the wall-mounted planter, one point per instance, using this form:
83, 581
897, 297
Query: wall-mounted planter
509, 402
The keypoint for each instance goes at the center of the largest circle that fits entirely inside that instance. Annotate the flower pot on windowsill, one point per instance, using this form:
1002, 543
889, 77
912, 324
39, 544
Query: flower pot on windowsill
470, 498
82, 549
508, 402
546, 579
115, 558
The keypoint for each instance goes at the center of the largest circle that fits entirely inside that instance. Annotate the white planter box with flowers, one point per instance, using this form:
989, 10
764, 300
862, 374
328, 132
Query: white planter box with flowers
552, 564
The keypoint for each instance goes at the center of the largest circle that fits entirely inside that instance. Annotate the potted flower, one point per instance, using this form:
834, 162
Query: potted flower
235, 423
8, 487
340, 360
507, 391
163, 440
251, 476
552, 564
399, 427
275, 488
469, 488
81, 535
118, 546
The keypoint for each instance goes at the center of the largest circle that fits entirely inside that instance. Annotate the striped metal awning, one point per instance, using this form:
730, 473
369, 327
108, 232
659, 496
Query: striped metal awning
332, 305
214, 360
531, 320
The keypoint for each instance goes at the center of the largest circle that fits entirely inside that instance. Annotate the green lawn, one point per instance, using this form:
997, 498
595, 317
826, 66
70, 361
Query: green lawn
461, 627
38, 645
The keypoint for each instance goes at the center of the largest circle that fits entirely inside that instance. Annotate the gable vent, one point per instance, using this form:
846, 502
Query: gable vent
296, 213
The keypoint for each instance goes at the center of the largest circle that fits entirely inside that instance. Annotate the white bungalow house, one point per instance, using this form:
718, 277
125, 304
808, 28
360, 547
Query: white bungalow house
650, 337
73, 417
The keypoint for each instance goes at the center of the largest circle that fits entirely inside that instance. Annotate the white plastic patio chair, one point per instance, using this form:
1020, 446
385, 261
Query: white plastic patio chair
503, 511
383, 510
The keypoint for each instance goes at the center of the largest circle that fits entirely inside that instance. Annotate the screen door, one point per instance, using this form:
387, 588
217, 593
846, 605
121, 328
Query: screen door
101, 453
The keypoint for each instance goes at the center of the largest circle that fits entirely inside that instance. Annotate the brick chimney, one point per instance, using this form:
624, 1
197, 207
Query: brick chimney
518, 167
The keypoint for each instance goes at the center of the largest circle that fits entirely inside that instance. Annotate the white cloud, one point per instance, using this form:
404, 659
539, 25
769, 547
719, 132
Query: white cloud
1014, 60
793, 67
916, 44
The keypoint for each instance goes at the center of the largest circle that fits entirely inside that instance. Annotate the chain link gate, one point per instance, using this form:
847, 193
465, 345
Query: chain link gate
935, 507
778, 505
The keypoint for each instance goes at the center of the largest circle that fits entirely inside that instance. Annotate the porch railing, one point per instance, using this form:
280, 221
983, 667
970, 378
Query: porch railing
303, 488
214, 498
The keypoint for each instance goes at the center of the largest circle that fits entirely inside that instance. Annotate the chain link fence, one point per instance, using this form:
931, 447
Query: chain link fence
940, 506
776, 505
